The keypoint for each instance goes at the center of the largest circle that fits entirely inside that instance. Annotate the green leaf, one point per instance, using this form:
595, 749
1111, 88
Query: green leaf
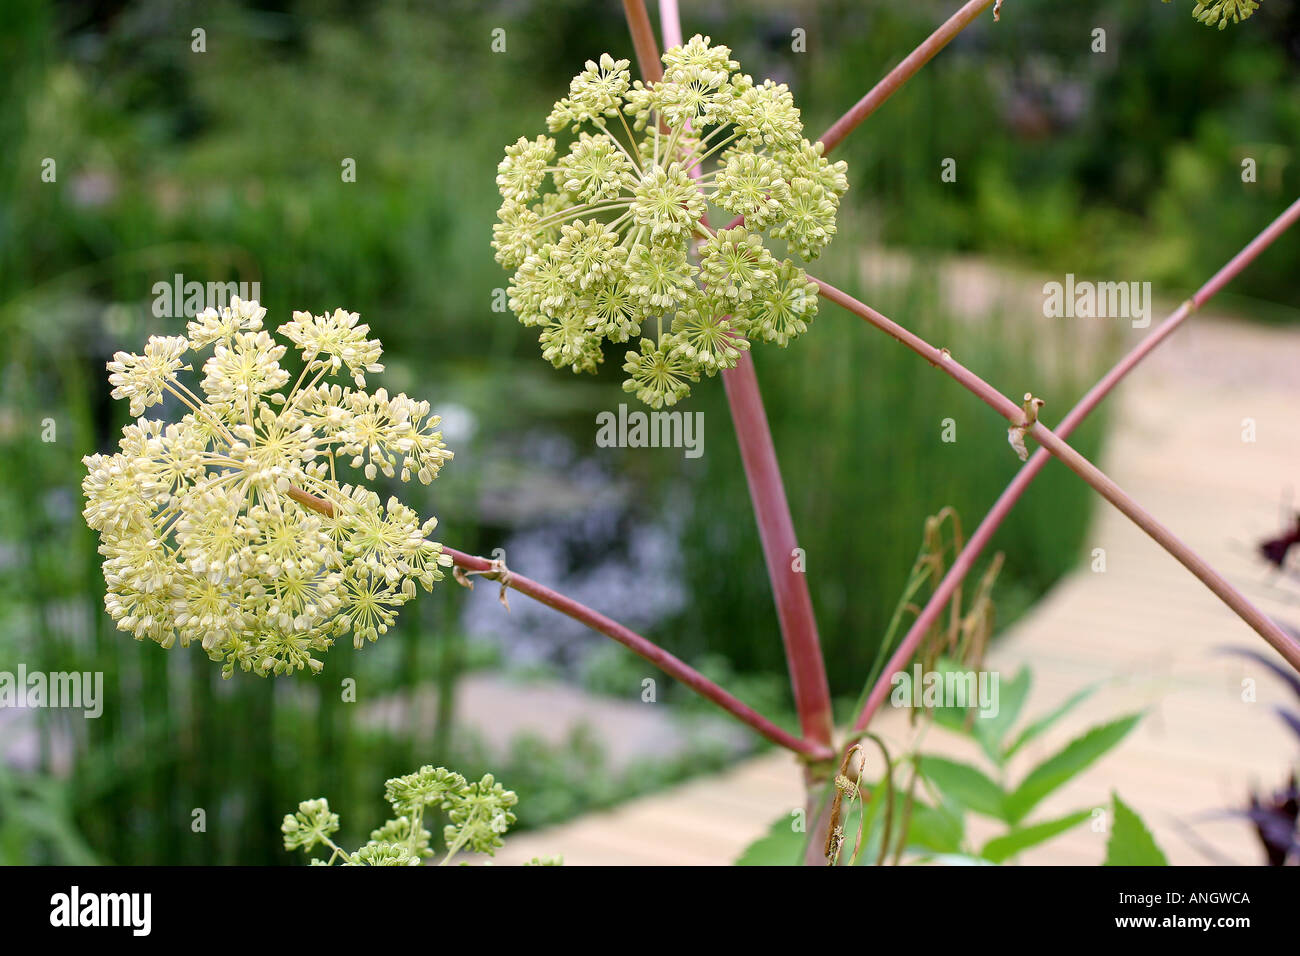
987, 731
936, 829
1076, 756
930, 829
965, 785
1003, 848
782, 845
1131, 843
1043, 723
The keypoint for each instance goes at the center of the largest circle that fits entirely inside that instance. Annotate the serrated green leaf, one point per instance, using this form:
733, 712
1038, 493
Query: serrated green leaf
1131, 843
1066, 763
968, 720
1047, 720
965, 785
1015, 841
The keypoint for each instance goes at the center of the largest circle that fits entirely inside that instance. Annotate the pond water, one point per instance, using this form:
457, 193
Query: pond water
580, 529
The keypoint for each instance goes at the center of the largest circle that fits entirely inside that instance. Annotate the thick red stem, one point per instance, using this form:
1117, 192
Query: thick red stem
812, 696
803, 651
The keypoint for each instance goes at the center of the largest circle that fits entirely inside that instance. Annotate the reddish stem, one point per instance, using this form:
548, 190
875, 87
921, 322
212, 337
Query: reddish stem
643, 40
771, 508
803, 652
639, 645
1261, 623
1002, 507
670, 23
1282, 642
900, 74
643, 648
895, 78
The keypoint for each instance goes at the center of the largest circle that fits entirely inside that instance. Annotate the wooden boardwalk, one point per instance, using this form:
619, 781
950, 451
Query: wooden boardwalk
1145, 628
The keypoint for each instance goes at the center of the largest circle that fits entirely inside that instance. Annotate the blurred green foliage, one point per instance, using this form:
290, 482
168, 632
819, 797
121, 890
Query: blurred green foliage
225, 165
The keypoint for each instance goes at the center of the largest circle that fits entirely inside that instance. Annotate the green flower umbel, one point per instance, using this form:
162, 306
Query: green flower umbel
1221, 12
618, 245
203, 522
478, 814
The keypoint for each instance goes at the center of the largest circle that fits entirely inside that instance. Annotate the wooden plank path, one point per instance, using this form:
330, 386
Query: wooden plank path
1144, 627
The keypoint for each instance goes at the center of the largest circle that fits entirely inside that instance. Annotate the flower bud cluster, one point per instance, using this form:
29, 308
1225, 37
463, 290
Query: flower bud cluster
619, 242
202, 525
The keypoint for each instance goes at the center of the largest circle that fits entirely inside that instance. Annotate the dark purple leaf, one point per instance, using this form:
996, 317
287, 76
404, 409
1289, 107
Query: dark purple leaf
1292, 719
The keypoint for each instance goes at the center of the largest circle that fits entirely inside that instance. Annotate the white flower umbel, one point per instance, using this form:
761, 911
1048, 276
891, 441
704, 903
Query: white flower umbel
620, 243
201, 540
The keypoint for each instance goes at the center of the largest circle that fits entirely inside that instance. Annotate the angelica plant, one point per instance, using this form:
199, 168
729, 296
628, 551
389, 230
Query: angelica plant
620, 244
231, 528
202, 524
478, 816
